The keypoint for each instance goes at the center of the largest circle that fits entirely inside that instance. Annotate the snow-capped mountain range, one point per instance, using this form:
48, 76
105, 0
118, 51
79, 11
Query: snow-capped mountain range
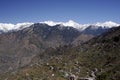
5, 27
107, 24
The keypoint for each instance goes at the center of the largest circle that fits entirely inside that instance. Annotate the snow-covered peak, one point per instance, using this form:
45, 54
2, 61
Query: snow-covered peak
71, 23
5, 27
108, 24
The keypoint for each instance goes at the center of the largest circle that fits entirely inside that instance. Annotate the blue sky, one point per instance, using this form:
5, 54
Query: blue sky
81, 11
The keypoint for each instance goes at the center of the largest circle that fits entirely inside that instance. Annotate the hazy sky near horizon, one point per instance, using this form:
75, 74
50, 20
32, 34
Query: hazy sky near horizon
81, 11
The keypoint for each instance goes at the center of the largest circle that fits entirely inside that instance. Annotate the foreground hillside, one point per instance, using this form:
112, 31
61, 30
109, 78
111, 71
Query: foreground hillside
97, 59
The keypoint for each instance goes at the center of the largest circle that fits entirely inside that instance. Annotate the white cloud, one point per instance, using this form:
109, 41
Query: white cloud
22, 25
8, 26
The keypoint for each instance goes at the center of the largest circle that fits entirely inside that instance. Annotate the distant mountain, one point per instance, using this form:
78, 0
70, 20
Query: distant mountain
18, 47
89, 30
5, 27
95, 31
